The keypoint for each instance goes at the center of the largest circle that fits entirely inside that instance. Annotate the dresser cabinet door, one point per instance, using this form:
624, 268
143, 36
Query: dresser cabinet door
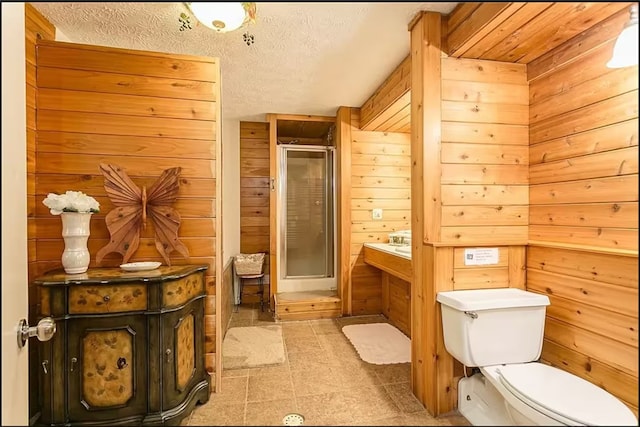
183, 352
106, 367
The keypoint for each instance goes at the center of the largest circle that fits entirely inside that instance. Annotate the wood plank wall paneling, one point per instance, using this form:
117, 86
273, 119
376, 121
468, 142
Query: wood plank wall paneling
484, 152
522, 32
584, 143
426, 361
36, 28
343, 141
479, 20
473, 189
584, 209
254, 196
389, 108
594, 300
396, 302
380, 178
156, 111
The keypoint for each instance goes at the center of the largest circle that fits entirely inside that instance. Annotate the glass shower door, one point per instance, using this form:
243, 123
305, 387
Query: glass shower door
307, 213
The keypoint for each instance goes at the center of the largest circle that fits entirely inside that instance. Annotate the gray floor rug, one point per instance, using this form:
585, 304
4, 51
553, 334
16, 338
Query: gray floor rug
253, 346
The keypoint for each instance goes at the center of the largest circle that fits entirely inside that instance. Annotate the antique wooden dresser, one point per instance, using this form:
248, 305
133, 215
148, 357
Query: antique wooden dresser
129, 346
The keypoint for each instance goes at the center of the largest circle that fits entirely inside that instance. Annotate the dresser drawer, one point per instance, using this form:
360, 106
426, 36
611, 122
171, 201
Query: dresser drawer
177, 292
107, 298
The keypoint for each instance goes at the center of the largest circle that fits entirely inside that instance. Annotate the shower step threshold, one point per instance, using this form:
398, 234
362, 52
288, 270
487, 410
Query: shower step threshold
307, 305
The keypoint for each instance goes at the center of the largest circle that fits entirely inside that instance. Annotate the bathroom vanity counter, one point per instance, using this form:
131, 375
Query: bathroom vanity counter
388, 258
395, 281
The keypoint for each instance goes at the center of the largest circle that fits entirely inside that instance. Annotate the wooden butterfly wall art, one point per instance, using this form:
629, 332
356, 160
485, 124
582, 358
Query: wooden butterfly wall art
134, 206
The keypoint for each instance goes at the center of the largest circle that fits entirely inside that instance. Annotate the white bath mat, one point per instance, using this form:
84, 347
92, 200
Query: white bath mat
379, 343
253, 346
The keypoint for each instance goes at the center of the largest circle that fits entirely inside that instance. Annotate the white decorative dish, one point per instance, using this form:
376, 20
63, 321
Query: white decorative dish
140, 266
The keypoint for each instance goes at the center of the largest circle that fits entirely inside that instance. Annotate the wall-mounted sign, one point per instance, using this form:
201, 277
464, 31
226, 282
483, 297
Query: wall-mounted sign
481, 256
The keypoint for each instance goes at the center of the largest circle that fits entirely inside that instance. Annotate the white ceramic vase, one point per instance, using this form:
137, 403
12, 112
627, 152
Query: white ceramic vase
75, 232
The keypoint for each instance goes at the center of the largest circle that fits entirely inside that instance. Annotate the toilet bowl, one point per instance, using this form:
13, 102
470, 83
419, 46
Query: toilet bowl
540, 394
500, 332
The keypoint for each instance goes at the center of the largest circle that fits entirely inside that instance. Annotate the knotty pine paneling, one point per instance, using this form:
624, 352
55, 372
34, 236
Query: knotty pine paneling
581, 143
389, 108
113, 145
117, 124
145, 112
380, 178
83, 164
583, 218
618, 135
88, 183
396, 302
126, 84
470, 158
130, 62
484, 153
522, 32
130, 105
254, 194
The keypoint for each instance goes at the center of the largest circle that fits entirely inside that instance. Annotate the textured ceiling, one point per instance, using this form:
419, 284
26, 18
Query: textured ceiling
308, 58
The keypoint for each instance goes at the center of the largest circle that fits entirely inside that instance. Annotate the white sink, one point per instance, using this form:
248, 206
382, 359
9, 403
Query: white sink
404, 249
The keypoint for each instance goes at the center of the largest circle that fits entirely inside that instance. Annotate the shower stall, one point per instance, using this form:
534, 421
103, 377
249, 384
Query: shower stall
306, 214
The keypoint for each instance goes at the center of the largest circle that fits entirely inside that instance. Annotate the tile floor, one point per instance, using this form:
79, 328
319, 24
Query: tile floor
322, 378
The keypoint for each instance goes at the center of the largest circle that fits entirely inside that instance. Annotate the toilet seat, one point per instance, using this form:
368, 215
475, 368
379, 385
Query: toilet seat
562, 396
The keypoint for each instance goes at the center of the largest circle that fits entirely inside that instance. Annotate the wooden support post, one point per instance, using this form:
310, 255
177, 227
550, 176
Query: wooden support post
432, 366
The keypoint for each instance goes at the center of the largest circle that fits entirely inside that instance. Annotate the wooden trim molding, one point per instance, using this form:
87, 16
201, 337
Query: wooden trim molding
343, 129
273, 208
429, 367
585, 248
219, 274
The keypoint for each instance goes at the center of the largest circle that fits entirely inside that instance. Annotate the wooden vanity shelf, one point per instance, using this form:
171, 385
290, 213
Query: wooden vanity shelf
129, 346
396, 286
392, 264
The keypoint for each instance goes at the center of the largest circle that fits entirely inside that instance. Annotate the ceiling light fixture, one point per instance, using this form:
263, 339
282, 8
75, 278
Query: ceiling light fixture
625, 50
223, 17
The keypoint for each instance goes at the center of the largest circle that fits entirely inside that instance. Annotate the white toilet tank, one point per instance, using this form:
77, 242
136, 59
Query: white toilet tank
484, 327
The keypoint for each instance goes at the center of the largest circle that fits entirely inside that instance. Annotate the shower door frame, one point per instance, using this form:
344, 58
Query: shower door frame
274, 173
328, 281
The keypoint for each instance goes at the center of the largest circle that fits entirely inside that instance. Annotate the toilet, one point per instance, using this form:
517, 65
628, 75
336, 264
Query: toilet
500, 332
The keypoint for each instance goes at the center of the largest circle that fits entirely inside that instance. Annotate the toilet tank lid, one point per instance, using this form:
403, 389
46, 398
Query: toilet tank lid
491, 299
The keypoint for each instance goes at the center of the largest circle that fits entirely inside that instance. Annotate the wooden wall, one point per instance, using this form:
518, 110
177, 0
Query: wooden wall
36, 28
484, 152
145, 112
379, 178
376, 173
254, 196
469, 152
396, 302
396, 286
520, 31
584, 209
389, 108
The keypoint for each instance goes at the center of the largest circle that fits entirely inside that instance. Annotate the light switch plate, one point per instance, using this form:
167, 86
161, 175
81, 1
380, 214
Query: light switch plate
376, 214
